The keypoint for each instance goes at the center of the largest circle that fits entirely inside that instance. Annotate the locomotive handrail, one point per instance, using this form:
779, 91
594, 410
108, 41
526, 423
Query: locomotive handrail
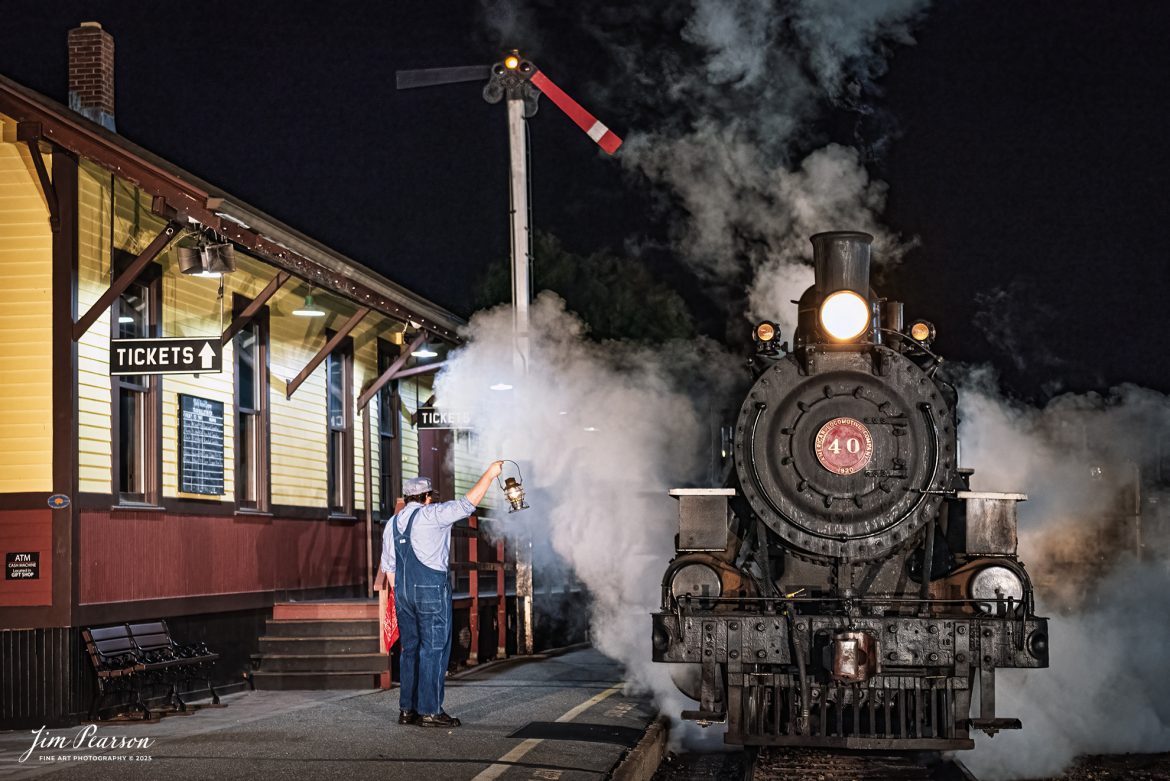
858, 600
938, 359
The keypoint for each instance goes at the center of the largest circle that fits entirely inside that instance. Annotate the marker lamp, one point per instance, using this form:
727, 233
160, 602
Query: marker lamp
921, 331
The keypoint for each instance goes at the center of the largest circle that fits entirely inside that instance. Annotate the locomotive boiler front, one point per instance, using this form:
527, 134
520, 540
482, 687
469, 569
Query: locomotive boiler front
845, 452
845, 587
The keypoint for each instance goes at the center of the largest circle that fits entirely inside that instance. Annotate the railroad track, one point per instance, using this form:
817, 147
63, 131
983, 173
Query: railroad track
777, 764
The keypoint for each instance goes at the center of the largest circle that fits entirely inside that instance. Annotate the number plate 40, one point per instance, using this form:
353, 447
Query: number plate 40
844, 446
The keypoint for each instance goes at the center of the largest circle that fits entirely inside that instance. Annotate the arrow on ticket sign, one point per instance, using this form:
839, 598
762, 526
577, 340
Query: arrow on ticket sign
207, 356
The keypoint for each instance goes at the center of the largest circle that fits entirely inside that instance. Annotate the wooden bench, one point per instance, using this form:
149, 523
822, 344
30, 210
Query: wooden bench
128, 656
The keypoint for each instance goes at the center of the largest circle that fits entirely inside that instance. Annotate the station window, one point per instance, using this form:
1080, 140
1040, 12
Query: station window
136, 409
339, 370
389, 441
252, 421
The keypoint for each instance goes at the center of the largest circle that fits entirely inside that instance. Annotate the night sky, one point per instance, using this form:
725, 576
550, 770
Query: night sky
1026, 149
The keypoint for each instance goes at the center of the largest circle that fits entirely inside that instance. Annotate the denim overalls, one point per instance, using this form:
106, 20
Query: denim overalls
422, 599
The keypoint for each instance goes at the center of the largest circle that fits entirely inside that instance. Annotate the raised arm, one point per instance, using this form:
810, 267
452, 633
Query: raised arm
479, 490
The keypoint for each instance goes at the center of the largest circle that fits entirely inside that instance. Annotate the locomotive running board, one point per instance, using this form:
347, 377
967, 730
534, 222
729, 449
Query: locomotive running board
992, 726
704, 717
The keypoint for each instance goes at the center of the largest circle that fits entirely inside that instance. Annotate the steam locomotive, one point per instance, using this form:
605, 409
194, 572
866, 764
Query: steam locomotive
846, 588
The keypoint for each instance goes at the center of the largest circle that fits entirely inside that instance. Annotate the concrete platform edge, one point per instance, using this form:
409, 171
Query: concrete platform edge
644, 758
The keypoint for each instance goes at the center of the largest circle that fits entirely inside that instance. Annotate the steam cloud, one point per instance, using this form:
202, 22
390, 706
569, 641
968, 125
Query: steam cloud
601, 432
725, 92
722, 97
1079, 460
742, 89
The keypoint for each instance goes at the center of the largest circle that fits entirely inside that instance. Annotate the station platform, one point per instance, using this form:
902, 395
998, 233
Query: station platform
559, 717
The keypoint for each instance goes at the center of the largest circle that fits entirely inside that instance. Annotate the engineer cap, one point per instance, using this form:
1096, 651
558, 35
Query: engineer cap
416, 485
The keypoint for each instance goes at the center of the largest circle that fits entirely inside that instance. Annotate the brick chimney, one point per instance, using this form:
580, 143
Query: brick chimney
91, 73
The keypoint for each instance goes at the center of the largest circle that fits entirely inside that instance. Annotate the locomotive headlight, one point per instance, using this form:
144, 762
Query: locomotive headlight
995, 583
696, 580
765, 331
844, 315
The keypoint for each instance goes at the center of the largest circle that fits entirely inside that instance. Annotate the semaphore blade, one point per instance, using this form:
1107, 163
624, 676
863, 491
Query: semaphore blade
594, 128
432, 77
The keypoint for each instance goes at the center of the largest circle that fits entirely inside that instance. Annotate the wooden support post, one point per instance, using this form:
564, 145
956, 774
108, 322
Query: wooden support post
388, 375
241, 320
329, 347
30, 133
473, 586
126, 278
368, 485
411, 372
502, 605
524, 594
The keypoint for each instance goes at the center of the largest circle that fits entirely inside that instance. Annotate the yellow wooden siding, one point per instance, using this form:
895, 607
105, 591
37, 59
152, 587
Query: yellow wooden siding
412, 395
365, 371
298, 425
191, 307
374, 410
26, 266
93, 375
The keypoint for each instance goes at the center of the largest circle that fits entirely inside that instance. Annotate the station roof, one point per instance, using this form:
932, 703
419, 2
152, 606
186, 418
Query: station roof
179, 194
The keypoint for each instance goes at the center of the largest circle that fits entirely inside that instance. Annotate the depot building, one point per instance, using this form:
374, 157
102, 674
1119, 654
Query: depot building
202, 410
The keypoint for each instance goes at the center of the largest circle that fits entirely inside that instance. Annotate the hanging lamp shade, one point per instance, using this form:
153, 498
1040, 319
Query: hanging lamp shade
424, 351
309, 309
207, 260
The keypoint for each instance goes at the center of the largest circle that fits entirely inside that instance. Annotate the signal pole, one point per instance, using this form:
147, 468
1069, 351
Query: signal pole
510, 78
522, 84
521, 261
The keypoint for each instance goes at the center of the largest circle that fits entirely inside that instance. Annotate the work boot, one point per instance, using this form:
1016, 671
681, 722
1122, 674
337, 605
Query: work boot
438, 720
407, 716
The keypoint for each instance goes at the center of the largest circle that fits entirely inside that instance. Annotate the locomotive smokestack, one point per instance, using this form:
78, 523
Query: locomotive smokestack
841, 262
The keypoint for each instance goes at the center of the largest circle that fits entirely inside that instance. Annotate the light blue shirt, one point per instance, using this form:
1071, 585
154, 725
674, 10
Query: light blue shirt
430, 537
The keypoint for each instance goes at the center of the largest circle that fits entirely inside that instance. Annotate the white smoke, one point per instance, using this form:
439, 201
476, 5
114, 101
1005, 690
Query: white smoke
725, 93
601, 432
1079, 459
737, 164
722, 99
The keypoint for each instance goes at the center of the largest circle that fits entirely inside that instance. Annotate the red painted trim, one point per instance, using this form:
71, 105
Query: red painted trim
132, 556
28, 531
608, 140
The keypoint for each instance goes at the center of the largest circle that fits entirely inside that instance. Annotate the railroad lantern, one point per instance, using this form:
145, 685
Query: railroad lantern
513, 489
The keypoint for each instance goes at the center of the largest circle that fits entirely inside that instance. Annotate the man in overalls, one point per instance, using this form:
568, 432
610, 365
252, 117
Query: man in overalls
416, 549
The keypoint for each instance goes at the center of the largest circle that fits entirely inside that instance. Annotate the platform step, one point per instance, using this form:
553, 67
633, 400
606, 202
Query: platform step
328, 628
353, 609
323, 663
314, 680
307, 646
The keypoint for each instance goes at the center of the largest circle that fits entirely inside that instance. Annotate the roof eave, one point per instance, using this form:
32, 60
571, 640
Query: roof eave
178, 193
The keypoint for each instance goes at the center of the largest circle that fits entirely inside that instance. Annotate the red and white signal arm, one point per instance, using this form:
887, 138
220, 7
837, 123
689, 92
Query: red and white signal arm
844, 446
